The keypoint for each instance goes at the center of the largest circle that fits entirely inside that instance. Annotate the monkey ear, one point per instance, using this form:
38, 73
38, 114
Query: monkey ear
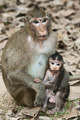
50, 16
63, 62
28, 17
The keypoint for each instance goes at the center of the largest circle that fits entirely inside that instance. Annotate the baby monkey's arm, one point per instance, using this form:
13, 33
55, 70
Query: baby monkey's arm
48, 84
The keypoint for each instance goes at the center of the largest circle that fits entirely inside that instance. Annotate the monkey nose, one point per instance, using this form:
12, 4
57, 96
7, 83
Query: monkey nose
55, 68
43, 33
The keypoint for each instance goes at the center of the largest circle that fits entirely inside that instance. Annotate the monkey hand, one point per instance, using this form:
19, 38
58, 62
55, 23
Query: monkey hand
37, 80
40, 95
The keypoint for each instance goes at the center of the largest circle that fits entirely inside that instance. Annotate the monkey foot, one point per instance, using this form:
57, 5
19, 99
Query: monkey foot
52, 99
52, 111
37, 80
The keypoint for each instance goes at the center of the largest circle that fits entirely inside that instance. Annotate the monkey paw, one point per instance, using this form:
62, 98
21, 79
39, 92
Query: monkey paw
39, 99
40, 94
37, 80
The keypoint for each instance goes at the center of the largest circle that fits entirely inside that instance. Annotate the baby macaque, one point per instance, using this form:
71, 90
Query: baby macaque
57, 88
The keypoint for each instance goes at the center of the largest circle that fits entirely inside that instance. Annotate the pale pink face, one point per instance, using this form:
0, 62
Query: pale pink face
55, 65
39, 25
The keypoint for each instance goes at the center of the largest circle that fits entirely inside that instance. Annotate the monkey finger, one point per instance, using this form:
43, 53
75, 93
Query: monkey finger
39, 101
37, 80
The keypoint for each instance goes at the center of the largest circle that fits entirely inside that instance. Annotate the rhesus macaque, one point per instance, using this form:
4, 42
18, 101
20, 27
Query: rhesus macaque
55, 79
25, 58
57, 89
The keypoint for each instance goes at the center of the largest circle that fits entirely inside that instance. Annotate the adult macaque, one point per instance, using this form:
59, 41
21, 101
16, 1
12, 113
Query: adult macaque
57, 89
25, 58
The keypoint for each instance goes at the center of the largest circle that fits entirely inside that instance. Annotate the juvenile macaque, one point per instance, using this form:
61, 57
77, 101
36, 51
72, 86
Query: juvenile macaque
25, 58
57, 89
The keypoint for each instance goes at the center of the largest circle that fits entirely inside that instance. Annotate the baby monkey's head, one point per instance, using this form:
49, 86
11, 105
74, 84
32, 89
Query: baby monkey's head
55, 62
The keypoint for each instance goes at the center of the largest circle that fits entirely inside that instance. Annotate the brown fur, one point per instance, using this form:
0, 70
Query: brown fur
18, 57
56, 83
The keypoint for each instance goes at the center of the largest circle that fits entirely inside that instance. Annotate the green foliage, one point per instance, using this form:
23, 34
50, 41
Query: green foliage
65, 110
42, 113
67, 105
20, 107
78, 118
26, 118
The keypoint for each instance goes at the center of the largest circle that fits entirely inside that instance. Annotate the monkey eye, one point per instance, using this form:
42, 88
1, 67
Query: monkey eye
44, 20
58, 64
52, 63
36, 21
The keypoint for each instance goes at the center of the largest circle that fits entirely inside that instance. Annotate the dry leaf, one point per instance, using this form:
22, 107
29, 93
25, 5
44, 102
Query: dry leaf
74, 82
13, 118
30, 111
44, 118
77, 45
74, 92
32, 119
3, 37
1, 26
64, 13
11, 31
72, 114
69, 68
72, 60
2, 44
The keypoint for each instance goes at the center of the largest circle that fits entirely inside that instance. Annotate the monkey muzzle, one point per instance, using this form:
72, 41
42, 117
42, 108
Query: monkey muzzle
43, 37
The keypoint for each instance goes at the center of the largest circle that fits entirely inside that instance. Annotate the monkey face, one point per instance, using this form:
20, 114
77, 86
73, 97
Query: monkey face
55, 65
40, 27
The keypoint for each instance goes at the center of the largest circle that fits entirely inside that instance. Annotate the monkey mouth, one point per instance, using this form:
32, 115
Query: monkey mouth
55, 71
43, 37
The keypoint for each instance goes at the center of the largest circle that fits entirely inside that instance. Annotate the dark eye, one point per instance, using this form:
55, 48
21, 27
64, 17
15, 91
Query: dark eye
58, 64
36, 21
52, 63
44, 20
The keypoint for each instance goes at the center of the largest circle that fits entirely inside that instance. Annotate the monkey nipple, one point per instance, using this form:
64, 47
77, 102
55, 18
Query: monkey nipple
40, 63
